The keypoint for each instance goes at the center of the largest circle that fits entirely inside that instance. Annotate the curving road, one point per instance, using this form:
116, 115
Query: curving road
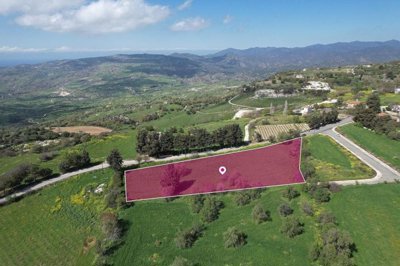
105, 165
243, 106
384, 173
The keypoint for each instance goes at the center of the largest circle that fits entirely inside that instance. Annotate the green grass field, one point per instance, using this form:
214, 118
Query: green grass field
371, 222
371, 214
293, 102
49, 228
124, 141
154, 221
388, 98
47, 237
332, 162
380, 145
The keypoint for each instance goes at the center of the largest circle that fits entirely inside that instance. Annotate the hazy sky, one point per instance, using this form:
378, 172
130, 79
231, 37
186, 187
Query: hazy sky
134, 25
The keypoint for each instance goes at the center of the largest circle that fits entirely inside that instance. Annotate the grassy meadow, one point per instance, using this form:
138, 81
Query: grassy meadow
332, 162
380, 145
150, 239
371, 215
56, 226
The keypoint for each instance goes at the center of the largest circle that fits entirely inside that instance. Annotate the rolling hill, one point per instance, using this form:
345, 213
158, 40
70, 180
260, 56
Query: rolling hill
112, 74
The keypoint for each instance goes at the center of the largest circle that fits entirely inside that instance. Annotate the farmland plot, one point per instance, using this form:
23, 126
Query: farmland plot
267, 131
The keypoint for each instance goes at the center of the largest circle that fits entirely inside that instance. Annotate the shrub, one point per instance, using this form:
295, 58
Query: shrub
210, 210
74, 160
321, 194
23, 174
196, 203
285, 210
290, 193
334, 187
37, 148
114, 159
47, 156
308, 169
336, 248
260, 215
307, 208
112, 197
245, 197
186, 238
233, 238
180, 261
110, 226
292, 227
327, 218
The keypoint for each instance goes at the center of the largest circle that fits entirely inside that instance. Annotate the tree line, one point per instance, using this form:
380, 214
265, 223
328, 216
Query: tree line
154, 143
319, 119
367, 116
22, 175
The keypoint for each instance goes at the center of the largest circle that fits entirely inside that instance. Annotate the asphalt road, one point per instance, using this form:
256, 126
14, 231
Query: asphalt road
385, 173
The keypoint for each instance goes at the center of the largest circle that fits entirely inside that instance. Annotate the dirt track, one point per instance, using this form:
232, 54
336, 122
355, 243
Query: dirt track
92, 130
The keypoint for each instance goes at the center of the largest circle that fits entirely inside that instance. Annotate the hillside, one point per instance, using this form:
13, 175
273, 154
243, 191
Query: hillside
112, 75
58, 88
337, 54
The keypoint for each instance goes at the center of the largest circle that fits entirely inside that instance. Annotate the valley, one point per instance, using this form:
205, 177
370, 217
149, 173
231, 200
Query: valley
182, 115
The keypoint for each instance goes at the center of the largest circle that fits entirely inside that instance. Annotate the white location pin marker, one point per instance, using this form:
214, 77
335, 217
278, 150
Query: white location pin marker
222, 170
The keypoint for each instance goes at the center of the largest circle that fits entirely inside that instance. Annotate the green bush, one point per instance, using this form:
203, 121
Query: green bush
307, 208
197, 203
210, 210
336, 248
180, 261
246, 196
186, 238
74, 160
285, 210
233, 238
321, 194
292, 227
260, 215
290, 193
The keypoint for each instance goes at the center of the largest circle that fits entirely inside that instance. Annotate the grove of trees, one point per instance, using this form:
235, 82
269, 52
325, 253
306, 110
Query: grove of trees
155, 143
319, 119
74, 160
367, 116
22, 175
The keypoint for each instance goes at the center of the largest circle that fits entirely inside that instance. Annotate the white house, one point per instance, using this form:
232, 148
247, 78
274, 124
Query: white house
304, 111
317, 86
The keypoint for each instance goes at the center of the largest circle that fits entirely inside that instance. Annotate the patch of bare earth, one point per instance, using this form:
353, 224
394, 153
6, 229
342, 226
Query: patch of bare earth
92, 130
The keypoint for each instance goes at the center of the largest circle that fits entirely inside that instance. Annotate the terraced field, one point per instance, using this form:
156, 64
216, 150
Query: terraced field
267, 131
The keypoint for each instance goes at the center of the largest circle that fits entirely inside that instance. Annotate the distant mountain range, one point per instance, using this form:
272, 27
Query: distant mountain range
329, 55
122, 71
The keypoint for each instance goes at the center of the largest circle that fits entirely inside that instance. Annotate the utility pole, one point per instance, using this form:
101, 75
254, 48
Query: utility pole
285, 108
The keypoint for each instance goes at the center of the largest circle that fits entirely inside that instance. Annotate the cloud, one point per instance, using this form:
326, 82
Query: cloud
36, 6
185, 5
15, 49
227, 19
101, 16
63, 49
190, 24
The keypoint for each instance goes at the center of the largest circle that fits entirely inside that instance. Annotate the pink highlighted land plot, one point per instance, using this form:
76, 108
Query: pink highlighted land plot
274, 165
